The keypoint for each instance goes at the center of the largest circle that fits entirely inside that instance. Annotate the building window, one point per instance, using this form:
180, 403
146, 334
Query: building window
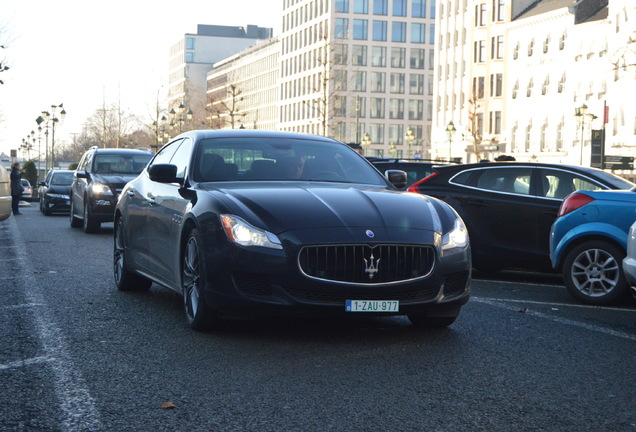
378, 56
559, 141
480, 15
419, 8
361, 6
380, 7
416, 84
342, 6
546, 84
359, 55
480, 124
340, 106
496, 47
431, 34
340, 54
397, 82
546, 44
479, 51
561, 85
515, 90
398, 57
340, 79
478, 87
359, 81
377, 108
360, 29
515, 53
529, 89
417, 58
189, 57
398, 32
496, 85
418, 33
396, 108
562, 42
378, 82
190, 43
498, 10
495, 122
342, 28
416, 109
379, 30
399, 8
543, 143
531, 48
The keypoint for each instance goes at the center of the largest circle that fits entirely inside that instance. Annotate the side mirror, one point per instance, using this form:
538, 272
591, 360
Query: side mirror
397, 178
81, 174
163, 173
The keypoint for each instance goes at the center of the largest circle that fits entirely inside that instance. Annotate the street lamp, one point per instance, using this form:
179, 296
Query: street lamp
450, 131
410, 138
50, 120
582, 115
366, 142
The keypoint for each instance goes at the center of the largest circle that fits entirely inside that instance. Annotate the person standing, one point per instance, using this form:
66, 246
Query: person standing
16, 187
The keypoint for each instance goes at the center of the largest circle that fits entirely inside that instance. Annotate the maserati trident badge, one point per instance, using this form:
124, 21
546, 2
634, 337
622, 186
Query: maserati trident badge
371, 268
370, 234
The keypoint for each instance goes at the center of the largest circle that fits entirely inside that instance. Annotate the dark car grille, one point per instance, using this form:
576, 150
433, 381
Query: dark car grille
364, 264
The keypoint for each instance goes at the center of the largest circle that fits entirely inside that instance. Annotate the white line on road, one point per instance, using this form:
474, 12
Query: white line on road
77, 404
23, 363
501, 304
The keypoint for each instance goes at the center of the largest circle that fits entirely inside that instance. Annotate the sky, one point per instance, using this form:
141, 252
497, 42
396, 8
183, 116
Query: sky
81, 53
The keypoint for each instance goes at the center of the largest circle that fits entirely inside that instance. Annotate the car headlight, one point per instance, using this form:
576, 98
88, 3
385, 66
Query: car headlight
456, 239
242, 233
101, 189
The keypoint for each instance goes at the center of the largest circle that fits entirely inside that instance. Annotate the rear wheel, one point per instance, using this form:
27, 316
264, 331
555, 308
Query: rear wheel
193, 282
75, 222
90, 224
125, 280
593, 273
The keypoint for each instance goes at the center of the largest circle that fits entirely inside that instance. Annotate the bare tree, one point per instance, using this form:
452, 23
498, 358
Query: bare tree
475, 125
231, 105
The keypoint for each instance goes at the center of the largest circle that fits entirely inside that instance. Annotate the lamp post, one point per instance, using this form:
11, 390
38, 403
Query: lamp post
50, 120
366, 142
410, 139
450, 131
582, 115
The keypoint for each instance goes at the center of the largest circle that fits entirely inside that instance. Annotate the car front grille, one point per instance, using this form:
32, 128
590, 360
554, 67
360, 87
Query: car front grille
364, 264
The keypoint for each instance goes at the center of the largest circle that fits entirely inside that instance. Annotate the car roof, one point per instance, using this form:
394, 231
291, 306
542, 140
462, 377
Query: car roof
252, 133
461, 167
120, 151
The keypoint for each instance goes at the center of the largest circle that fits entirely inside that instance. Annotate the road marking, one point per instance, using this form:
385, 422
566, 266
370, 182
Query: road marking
499, 303
27, 362
77, 404
571, 305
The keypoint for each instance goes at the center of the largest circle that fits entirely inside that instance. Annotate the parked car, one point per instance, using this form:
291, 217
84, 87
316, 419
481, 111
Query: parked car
100, 177
629, 262
415, 169
249, 223
55, 192
5, 194
588, 242
509, 207
27, 192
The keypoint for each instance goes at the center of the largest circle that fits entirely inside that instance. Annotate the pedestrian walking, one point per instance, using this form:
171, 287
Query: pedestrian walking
16, 187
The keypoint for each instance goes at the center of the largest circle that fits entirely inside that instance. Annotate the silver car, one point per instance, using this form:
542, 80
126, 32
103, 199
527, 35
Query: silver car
629, 262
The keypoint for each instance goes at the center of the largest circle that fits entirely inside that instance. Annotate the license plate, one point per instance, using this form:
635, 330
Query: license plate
372, 305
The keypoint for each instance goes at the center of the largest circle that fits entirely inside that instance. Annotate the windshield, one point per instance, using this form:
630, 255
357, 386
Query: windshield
280, 158
62, 179
120, 164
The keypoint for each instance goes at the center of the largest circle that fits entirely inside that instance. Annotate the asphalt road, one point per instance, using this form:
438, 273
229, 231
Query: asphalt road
77, 355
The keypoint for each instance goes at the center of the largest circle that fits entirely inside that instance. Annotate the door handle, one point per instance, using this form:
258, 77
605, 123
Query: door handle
131, 193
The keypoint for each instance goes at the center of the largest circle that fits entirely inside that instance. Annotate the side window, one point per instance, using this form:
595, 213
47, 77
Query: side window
559, 184
166, 153
182, 156
88, 161
509, 180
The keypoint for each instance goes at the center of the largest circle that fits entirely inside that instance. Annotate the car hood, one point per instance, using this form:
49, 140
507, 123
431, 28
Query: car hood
59, 189
114, 179
297, 206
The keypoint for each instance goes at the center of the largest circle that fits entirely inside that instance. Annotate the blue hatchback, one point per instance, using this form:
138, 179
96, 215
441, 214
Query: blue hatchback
588, 242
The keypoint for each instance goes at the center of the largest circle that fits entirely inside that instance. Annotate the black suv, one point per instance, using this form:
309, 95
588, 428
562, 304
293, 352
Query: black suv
100, 177
415, 169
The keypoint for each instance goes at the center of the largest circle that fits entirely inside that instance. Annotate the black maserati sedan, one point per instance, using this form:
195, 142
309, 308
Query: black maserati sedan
251, 223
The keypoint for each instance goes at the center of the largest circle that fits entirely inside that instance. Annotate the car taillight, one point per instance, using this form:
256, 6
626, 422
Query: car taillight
574, 202
415, 186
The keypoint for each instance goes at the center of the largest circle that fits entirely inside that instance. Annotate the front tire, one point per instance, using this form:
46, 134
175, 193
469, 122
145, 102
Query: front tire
91, 226
124, 279
193, 283
593, 272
